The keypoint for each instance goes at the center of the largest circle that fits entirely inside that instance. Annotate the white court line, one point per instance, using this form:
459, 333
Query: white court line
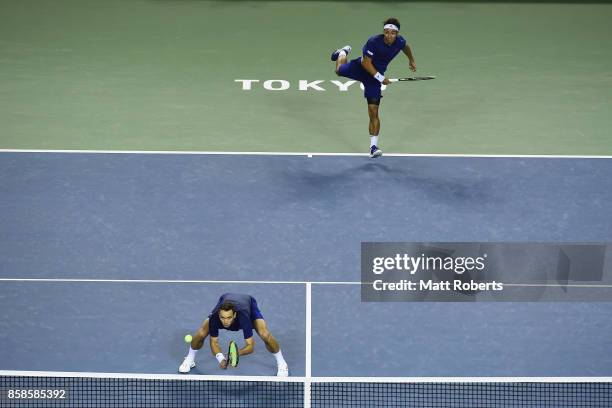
13, 373
308, 368
148, 376
460, 379
180, 152
62, 280
554, 285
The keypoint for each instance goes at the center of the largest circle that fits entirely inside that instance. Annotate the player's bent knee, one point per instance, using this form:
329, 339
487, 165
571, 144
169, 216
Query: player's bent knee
200, 334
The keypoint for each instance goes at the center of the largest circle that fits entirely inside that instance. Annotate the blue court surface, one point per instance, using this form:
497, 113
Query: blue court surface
279, 221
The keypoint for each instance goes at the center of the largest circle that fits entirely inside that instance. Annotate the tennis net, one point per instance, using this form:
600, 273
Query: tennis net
49, 389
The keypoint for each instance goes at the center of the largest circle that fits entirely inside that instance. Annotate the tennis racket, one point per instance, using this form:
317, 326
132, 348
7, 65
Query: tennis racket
233, 354
419, 78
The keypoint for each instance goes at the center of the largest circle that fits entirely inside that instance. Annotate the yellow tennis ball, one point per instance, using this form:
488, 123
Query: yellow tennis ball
188, 338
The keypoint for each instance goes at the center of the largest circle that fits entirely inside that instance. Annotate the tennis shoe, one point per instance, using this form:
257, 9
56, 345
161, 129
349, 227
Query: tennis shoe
186, 366
375, 152
335, 54
283, 370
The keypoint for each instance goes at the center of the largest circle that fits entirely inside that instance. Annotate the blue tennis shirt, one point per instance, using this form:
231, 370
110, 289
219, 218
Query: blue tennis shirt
243, 321
381, 53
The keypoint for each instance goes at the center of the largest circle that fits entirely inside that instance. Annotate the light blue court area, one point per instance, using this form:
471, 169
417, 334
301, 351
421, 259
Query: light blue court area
458, 339
136, 327
226, 217
264, 218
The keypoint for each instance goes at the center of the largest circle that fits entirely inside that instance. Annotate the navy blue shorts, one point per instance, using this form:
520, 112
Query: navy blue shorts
255, 312
354, 70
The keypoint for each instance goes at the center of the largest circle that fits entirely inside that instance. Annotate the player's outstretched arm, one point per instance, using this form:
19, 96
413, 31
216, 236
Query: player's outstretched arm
216, 351
408, 51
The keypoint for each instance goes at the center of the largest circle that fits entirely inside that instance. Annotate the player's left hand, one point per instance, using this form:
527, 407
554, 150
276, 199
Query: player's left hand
412, 66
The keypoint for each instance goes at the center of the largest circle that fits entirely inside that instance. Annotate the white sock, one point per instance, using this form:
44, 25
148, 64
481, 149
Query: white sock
192, 353
279, 358
373, 140
342, 53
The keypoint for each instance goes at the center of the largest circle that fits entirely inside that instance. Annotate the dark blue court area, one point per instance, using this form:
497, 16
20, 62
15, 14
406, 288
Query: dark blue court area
267, 218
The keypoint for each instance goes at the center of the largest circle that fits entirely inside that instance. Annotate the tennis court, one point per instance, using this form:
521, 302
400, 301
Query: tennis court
139, 181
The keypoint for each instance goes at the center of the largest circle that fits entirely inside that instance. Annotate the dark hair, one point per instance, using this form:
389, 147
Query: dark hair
393, 21
227, 306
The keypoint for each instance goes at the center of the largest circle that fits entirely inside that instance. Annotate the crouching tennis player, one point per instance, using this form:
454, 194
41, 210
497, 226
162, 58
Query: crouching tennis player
234, 312
370, 69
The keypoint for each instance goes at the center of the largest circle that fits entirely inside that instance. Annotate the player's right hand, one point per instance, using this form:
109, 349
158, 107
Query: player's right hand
386, 81
223, 364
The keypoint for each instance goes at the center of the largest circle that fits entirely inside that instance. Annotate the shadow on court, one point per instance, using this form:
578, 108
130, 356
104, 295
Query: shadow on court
396, 178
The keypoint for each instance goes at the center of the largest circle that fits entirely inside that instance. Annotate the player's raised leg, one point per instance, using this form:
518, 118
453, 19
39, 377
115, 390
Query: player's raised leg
272, 346
196, 343
340, 56
374, 127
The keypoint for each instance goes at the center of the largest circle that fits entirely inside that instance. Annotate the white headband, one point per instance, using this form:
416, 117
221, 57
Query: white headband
390, 27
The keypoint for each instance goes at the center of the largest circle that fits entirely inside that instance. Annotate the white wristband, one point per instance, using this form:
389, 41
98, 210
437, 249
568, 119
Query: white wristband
379, 77
220, 357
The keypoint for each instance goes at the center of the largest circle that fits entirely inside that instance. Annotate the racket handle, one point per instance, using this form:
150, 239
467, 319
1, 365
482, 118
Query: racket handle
393, 80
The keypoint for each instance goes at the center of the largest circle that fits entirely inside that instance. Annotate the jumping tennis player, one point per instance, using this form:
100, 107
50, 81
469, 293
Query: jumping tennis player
370, 69
234, 311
